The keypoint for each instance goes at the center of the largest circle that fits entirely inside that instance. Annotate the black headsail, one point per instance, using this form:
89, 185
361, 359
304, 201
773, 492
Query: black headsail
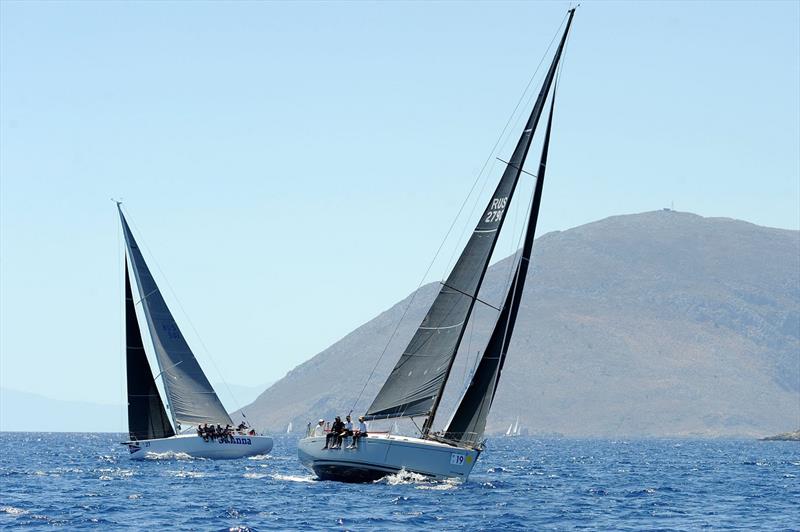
147, 418
191, 398
414, 387
469, 419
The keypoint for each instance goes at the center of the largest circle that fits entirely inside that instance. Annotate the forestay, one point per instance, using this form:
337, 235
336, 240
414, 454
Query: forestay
191, 398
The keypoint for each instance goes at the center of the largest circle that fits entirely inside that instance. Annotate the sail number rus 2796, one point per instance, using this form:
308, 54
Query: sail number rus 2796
495, 212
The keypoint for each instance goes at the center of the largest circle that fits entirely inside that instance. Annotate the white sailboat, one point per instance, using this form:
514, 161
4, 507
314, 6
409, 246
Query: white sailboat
289, 428
190, 399
415, 386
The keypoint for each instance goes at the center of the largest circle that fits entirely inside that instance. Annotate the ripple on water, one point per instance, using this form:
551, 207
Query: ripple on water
11, 510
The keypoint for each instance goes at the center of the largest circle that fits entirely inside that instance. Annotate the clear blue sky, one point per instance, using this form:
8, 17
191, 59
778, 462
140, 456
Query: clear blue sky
294, 166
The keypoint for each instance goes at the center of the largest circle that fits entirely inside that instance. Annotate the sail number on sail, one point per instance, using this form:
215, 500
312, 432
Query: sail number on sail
496, 208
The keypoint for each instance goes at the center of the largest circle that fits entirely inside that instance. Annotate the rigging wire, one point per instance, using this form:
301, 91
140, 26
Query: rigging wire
458, 214
188, 319
122, 332
513, 120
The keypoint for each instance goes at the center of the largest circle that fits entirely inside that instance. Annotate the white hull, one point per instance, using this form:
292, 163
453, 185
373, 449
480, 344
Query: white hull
194, 445
381, 455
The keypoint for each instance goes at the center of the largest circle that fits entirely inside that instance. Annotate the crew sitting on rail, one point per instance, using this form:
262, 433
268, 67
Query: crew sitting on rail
360, 432
319, 430
333, 436
242, 426
347, 432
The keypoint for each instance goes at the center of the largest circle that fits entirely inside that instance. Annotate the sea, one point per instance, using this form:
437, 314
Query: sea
86, 481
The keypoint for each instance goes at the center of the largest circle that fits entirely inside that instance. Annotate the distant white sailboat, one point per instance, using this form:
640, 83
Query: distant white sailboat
289, 428
414, 388
513, 429
189, 397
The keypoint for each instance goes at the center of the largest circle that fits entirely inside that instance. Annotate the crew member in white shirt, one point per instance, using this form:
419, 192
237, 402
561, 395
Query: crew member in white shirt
348, 431
319, 430
361, 432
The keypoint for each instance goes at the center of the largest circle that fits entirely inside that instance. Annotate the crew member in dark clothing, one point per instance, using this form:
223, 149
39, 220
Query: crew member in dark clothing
333, 435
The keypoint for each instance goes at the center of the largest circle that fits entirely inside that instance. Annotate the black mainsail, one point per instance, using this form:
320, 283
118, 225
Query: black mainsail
415, 385
147, 418
191, 398
469, 420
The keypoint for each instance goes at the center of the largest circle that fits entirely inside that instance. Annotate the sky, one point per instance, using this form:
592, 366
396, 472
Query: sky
292, 168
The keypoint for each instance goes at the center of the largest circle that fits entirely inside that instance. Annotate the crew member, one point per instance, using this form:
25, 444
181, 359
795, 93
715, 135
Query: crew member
347, 432
361, 432
333, 435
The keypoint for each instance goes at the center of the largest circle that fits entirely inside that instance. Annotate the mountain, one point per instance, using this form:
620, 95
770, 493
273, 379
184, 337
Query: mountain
237, 395
23, 411
651, 324
786, 436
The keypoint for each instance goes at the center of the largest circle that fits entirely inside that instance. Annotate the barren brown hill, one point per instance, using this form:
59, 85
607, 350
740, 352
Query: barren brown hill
660, 323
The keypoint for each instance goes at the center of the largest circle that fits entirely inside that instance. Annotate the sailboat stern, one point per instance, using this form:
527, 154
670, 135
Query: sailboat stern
378, 456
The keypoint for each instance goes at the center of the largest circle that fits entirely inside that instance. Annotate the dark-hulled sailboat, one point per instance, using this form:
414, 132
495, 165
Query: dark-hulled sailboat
191, 399
416, 384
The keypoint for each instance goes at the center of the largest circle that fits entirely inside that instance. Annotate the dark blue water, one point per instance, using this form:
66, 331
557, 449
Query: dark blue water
86, 481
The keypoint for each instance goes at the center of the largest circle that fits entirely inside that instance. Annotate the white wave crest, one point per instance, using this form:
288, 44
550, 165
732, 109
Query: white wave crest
169, 455
11, 510
255, 475
403, 477
448, 484
294, 478
420, 482
187, 474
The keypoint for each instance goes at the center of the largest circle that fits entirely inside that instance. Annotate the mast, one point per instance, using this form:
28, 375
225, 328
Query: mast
469, 420
516, 162
414, 387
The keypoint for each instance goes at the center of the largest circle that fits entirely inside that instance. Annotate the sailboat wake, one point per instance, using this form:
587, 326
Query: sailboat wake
294, 478
170, 455
420, 482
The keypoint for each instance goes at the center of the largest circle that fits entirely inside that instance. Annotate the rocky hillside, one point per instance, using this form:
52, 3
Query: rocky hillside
659, 323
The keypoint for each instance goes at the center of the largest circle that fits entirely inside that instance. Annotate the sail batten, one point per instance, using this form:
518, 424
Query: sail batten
191, 398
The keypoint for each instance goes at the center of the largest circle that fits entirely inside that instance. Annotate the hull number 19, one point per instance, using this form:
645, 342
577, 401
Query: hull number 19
457, 459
